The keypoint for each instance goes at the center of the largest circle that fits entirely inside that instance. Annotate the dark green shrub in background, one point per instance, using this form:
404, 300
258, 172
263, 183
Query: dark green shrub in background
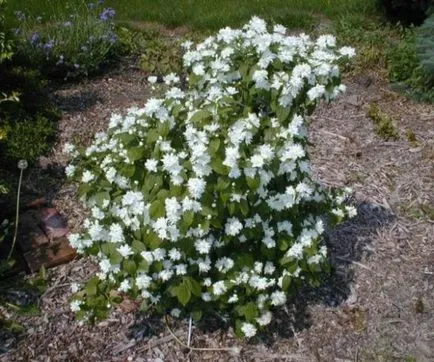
425, 45
411, 62
406, 11
68, 45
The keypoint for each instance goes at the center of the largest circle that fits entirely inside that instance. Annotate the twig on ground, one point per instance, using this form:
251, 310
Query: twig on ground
227, 349
359, 264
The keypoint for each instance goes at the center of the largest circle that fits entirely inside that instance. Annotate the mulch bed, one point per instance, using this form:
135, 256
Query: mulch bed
378, 304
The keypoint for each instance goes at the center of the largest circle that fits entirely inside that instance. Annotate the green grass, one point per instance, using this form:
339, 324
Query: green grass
212, 15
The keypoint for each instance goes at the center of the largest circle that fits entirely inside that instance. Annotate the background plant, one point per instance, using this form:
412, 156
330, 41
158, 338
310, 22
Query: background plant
204, 201
410, 64
68, 44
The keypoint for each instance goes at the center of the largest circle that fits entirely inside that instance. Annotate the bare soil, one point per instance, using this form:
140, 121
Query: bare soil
378, 303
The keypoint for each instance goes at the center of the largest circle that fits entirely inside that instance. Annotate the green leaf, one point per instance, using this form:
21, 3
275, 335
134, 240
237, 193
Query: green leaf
143, 266
129, 266
217, 166
92, 286
196, 315
200, 115
152, 240
244, 206
100, 197
138, 246
222, 183
214, 146
136, 153
152, 136
157, 209
187, 219
195, 287
183, 293
286, 282
115, 258
253, 183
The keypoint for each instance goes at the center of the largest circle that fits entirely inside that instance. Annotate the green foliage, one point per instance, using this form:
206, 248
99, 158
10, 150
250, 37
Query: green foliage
384, 125
425, 45
68, 45
27, 127
410, 65
27, 139
161, 57
213, 15
5, 41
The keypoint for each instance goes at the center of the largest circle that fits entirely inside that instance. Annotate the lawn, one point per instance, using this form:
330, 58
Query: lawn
212, 15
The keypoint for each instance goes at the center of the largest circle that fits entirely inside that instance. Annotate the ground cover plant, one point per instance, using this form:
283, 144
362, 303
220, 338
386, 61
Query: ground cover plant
70, 41
204, 202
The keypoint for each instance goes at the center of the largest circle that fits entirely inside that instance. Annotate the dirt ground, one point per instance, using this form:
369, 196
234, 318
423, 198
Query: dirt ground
378, 304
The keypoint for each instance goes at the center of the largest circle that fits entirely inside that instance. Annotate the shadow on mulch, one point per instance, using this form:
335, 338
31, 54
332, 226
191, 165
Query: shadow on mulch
346, 243
79, 102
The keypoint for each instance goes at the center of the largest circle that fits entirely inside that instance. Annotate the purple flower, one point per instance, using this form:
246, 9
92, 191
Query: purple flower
35, 38
100, 2
48, 45
107, 14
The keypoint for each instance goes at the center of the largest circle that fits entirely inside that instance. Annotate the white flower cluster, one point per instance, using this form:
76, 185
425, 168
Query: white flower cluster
208, 193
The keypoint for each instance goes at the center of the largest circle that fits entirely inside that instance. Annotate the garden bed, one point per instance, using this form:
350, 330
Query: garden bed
376, 306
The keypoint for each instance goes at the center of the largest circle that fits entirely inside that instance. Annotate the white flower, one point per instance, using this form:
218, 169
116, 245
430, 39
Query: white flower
233, 298
203, 246
116, 233
181, 269
316, 92
351, 211
174, 254
143, 281
233, 226
347, 51
171, 78
224, 264
124, 286
248, 329
278, 298
219, 288
75, 305
206, 297
264, 319
70, 170
257, 161
152, 79
75, 287
151, 165
87, 176
125, 250
196, 187
159, 254
175, 312
148, 256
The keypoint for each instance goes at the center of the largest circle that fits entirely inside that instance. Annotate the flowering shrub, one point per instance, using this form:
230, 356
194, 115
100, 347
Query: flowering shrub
205, 201
69, 46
